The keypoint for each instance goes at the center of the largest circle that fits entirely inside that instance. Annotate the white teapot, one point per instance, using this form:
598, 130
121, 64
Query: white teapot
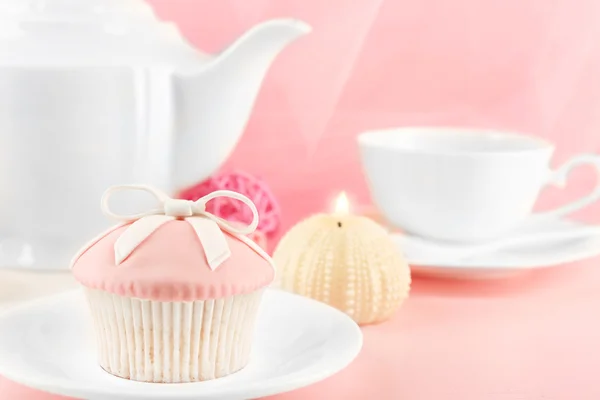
99, 92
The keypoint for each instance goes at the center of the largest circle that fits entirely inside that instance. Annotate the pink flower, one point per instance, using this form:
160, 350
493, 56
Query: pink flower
235, 211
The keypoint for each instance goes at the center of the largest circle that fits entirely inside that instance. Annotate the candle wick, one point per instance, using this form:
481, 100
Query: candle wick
339, 224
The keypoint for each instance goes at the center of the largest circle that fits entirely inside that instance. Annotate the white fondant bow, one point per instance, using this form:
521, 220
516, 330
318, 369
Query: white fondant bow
207, 226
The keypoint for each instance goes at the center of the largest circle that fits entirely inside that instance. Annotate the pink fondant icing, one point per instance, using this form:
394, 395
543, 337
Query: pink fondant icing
170, 265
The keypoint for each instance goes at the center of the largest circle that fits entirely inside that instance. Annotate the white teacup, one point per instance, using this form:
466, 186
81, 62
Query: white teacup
463, 185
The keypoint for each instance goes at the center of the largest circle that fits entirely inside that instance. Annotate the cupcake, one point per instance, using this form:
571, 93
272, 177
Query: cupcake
173, 292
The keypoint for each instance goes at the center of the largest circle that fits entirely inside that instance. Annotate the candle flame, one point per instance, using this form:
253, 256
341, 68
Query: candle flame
342, 205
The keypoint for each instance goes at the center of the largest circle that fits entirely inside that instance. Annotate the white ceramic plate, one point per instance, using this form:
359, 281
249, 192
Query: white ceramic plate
545, 245
49, 345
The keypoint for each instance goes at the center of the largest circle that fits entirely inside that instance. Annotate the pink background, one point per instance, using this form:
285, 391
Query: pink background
527, 65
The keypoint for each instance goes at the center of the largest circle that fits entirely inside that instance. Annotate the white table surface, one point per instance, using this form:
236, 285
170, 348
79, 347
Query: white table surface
17, 286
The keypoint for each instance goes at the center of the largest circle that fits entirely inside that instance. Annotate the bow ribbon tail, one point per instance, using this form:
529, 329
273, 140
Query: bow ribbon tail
136, 234
212, 239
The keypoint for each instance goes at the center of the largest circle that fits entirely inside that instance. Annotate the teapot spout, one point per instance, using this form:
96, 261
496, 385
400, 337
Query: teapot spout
263, 42
214, 102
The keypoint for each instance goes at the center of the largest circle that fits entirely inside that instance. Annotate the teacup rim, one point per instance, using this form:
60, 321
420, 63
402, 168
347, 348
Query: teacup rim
365, 139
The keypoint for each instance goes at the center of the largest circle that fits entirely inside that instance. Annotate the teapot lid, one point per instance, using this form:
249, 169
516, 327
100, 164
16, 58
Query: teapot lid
89, 32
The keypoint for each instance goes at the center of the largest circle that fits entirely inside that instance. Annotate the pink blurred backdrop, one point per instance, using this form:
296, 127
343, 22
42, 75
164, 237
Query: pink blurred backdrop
528, 65
522, 65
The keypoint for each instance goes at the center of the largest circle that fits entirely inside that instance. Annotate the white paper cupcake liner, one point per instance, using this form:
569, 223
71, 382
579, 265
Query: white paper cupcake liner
173, 342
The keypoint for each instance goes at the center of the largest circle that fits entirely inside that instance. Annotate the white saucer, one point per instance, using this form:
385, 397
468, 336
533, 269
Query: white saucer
48, 345
535, 245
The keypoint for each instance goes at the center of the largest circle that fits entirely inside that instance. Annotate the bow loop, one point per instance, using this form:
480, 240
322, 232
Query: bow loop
198, 207
208, 227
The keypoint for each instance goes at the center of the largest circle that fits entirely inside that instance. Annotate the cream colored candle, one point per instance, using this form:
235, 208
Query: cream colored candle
347, 261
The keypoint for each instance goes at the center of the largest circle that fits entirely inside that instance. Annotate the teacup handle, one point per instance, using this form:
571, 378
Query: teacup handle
559, 179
